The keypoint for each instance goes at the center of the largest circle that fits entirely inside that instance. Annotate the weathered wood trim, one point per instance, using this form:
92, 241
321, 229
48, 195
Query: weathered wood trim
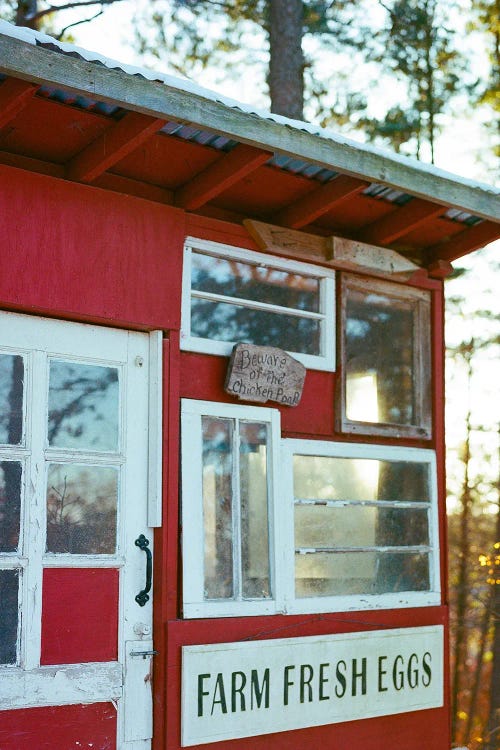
337, 252
157, 99
305, 210
219, 176
401, 221
114, 144
470, 239
14, 97
369, 256
61, 685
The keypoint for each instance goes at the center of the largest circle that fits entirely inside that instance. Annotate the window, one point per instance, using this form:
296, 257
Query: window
385, 350
232, 295
228, 470
364, 526
345, 527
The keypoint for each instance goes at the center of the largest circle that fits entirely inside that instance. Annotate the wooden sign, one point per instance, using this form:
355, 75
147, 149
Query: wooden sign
264, 373
235, 690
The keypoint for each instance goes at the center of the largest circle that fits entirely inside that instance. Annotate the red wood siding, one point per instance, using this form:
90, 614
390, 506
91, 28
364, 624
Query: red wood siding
59, 728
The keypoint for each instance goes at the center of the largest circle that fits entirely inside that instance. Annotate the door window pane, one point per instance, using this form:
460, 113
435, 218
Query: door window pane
83, 406
9, 585
81, 509
10, 505
11, 398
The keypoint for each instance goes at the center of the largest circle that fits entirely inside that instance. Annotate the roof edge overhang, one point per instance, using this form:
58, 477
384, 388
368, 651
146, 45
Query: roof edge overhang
195, 106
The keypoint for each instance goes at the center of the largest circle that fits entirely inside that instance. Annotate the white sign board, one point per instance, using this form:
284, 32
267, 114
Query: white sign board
234, 690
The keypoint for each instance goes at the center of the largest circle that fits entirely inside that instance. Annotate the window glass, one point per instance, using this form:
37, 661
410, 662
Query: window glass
233, 278
231, 295
11, 398
9, 584
385, 342
361, 525
83, 406
235, 513
10, 505
81, 509
230, 322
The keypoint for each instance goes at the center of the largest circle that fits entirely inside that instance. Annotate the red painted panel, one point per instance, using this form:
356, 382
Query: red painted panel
264, 192
79, 252
79, 615
59, 728
202, 377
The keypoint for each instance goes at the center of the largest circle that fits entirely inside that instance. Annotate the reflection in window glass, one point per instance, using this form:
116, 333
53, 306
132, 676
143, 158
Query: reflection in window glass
81, 509
235, 514
218, 507
11, 398
9, 584
83, 406
273, 286
361, 526
379, 344
347, 573
229, 322
10, 505
254, 514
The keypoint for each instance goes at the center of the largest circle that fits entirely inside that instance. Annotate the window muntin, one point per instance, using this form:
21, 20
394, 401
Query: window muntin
385, 345
364, 526
231, 295
228, 466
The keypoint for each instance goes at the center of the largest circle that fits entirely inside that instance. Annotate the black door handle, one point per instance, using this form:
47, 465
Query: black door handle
143, 596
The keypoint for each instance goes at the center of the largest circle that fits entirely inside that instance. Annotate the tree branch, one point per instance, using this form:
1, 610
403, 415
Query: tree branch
67, 6
77, 23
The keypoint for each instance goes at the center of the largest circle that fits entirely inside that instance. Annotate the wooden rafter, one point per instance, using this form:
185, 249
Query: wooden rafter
114, 144
219, 176
468, 240
14, 96
19, 58
305, 210
401, 221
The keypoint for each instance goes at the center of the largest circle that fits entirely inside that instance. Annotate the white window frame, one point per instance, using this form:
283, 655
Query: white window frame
326, 315
194, 604
308, 605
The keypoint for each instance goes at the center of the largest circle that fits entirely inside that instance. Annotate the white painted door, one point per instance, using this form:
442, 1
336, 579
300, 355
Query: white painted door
77, 407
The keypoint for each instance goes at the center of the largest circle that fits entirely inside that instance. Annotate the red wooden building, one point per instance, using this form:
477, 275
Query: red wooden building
298, 541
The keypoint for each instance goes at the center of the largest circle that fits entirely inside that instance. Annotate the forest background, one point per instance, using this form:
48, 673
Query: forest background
421, 77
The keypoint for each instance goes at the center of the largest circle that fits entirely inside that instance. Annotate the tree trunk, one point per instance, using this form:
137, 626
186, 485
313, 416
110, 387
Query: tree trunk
26, 11
286, 65
494, 719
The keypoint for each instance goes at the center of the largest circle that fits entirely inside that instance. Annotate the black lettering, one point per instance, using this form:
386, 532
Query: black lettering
412, 671
426, 666
238, 690
287, 683
259, 690
306, 682
219, 691
201, 692
398, 678
357, 675
381, 673
340, 675
322, 681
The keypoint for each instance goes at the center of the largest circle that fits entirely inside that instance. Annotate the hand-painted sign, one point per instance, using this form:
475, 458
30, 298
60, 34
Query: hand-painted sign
234, 690
264, 373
